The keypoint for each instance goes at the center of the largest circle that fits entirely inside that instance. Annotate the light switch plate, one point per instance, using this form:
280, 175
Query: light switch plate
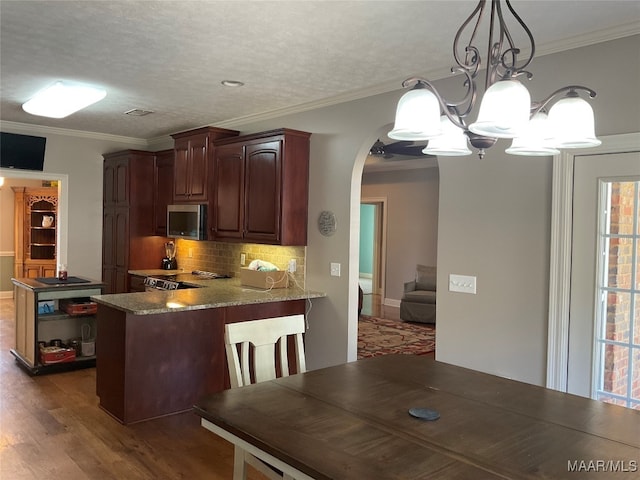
462, 284
335, 269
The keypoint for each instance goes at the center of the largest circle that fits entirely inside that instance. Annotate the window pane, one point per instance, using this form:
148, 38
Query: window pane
620, 262
622, 208
618, 321
638, 261
607, 399
636, 321
635, 386
616, 369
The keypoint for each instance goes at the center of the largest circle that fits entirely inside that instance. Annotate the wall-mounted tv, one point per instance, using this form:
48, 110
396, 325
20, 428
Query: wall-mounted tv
25, 152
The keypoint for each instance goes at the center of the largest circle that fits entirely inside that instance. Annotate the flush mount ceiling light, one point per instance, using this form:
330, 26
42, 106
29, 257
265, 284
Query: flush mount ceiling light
138, 112
62, 99
232, 83
506, 109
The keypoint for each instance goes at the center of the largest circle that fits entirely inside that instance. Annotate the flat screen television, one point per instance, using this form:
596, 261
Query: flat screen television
25, 152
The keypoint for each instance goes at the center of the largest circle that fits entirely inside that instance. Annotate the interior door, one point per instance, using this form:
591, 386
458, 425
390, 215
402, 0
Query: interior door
588, 298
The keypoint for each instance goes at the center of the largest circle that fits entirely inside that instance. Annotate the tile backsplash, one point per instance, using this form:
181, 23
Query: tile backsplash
224, 258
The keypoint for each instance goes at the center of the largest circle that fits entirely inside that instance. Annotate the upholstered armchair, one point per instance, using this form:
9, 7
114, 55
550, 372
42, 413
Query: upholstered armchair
418, 304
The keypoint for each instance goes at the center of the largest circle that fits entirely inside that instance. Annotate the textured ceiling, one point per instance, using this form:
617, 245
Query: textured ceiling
170, 56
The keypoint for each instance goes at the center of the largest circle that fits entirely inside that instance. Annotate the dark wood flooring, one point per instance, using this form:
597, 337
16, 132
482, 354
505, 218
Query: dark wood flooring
52, 428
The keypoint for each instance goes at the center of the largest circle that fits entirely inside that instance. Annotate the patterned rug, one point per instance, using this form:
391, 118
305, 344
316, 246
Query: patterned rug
379, 336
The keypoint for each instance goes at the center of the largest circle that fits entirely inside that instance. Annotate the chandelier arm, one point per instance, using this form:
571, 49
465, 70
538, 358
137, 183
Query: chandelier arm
470, 63
532, 41
537, 107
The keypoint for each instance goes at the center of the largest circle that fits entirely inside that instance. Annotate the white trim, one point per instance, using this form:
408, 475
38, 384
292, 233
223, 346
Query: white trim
6, 294
560, 255
8, 254
390, 302
43, 130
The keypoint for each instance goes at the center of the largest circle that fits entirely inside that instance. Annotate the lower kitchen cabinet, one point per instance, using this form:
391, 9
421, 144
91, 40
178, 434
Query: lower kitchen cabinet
39, 320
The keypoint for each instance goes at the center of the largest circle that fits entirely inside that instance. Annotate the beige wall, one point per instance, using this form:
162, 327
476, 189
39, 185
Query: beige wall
412, 222
493, 218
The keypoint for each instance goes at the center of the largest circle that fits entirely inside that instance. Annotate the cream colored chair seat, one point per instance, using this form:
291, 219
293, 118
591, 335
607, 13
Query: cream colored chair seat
268, 339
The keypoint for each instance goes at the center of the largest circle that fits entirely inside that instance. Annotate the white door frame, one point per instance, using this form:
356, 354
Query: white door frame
560, 257
380, 244
62, 220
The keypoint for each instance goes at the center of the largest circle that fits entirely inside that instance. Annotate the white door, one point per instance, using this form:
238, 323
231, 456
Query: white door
604, 320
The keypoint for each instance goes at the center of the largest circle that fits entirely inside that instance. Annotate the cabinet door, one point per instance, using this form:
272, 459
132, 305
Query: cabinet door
262, 192
181, 171
198, 167
191, 169
116, 182
122, 182
109, 279
108, 237
163, 189
48, 271
32, 271
228, 191
121, 238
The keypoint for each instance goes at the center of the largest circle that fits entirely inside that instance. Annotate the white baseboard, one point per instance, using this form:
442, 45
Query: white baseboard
390, 302
6, 294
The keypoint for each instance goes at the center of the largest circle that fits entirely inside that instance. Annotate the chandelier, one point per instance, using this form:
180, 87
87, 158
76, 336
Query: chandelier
506, 109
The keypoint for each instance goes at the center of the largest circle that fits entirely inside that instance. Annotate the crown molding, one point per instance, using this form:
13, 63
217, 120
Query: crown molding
28, 128
578, 41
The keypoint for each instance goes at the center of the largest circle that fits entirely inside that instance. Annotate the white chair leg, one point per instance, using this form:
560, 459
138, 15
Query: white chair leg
239, 465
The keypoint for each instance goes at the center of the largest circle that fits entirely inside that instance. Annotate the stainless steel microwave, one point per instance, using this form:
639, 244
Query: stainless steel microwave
187, 221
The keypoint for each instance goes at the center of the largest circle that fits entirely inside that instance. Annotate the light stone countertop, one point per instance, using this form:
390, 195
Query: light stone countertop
221, 292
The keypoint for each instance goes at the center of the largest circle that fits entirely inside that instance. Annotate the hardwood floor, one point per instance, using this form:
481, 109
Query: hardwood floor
52, 428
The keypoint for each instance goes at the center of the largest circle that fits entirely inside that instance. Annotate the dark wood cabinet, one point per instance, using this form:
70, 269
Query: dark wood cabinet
260, 188
129, 222
191, 169
228, 188
163, 188
193, 160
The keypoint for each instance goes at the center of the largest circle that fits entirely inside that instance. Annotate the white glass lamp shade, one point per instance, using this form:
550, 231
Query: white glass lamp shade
61, 100
417, 116
572, 123
504, 110
451, 143
535, 139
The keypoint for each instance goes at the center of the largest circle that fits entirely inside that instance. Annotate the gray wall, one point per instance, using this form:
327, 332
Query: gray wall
493, 216
412, 222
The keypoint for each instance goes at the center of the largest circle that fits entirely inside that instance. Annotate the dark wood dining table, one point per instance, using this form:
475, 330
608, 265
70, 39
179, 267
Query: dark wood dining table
351, 421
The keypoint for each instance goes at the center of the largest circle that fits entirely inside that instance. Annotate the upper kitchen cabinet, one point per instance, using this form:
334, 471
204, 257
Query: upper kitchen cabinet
163, 189
261, 185
192, 166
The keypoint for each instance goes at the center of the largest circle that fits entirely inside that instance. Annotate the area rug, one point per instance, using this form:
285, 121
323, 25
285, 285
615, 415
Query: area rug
379, 336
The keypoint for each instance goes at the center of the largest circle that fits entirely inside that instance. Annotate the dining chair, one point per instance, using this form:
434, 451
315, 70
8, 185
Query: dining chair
254, 350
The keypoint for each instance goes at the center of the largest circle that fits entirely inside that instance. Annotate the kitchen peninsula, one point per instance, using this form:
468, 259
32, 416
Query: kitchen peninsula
159, 352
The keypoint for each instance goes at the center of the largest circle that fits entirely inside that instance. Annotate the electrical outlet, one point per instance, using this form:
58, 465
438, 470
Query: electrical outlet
335, 269
293, 265
243, 259
190, 252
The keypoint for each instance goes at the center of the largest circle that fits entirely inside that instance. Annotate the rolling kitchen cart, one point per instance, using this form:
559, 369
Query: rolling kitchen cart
55, 323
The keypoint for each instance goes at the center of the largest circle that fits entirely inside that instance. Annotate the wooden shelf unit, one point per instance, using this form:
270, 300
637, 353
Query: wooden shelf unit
35, 243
